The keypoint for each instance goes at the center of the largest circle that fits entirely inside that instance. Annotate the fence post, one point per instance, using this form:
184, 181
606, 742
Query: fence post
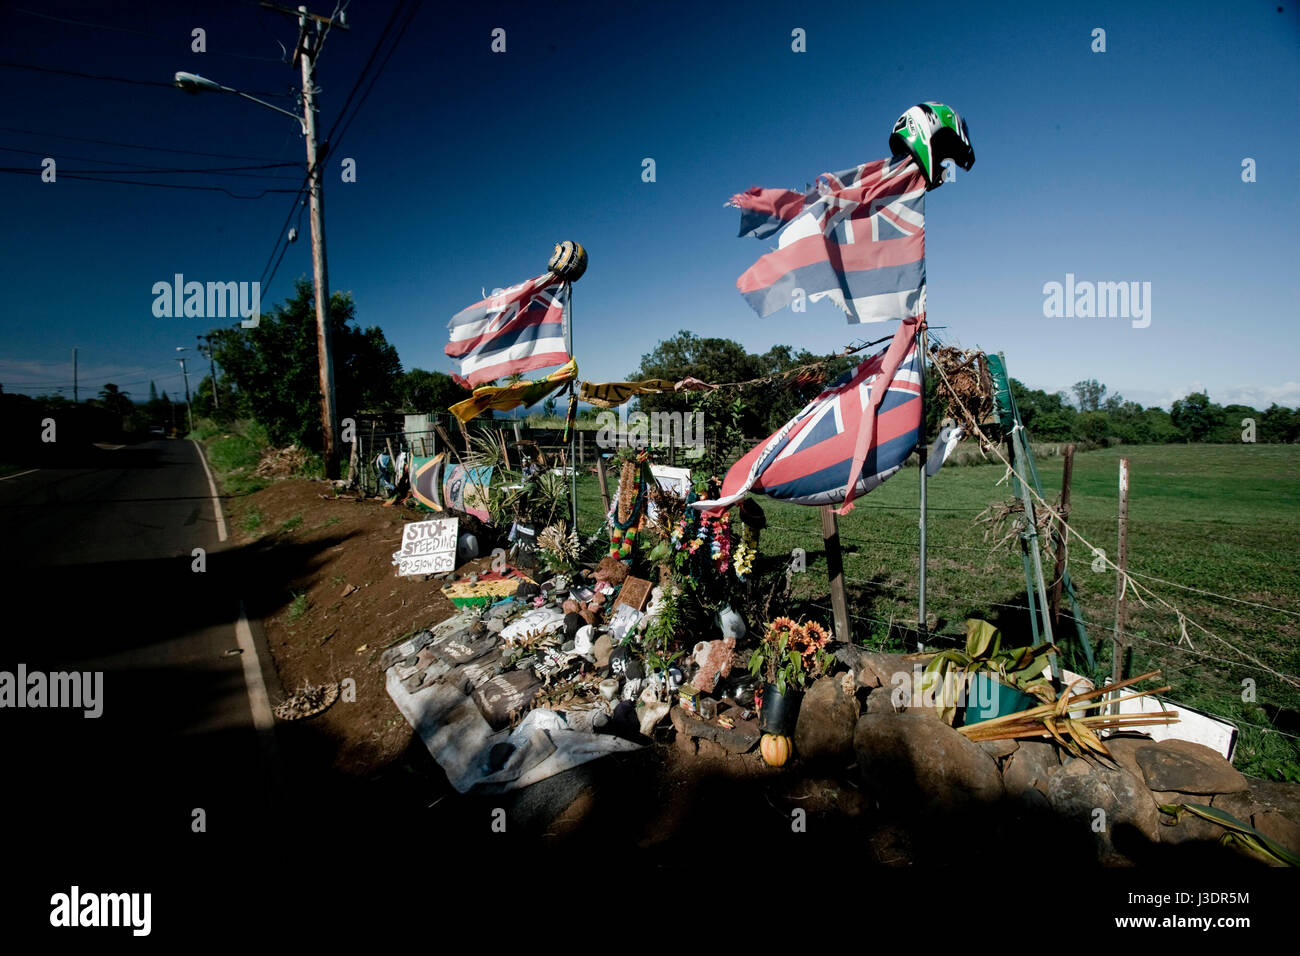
1062, 545
600, 476
835, 572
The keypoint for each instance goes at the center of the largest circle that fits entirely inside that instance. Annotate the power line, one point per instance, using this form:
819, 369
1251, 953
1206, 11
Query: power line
142, 33
121, 145
108, 79
268, 270
391, 50
131, 182
139, 169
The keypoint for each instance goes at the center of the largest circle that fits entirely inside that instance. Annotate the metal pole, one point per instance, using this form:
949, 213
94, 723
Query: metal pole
75, 399
1121, 616
573, 436
923, 452
320, 274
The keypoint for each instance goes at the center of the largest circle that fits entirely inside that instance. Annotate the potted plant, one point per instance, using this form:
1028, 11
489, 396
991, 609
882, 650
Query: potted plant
787, 656
993, 680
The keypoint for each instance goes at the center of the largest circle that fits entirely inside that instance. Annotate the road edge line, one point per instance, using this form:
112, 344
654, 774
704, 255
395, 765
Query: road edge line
20, 474
212, 486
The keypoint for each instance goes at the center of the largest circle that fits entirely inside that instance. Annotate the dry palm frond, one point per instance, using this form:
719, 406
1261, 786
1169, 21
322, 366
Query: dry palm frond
1007, 520
562, 548
1078, 735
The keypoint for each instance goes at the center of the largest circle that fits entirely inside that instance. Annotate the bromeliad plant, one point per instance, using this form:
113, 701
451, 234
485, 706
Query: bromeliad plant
791, 654
949, 674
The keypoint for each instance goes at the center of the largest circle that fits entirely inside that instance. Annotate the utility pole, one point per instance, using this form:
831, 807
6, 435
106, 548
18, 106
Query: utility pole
206, 349
305, 55
188, 410
75, 400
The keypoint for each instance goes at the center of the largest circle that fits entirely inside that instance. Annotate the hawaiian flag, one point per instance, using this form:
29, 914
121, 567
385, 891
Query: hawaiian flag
860, 243
764, 212
863, 425
517, 330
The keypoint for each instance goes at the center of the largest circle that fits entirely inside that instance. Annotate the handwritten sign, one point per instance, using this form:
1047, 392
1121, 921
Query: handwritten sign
428, 547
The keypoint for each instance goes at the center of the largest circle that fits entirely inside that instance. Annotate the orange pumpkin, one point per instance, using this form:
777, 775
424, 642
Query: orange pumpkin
775, 750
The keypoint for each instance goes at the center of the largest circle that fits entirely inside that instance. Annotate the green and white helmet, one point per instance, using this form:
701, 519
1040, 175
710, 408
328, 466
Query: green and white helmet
930, 133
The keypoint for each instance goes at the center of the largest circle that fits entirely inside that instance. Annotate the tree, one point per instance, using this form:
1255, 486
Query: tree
429, 392
274, 371
116, 402
716, 361
1195, 416
1089, 394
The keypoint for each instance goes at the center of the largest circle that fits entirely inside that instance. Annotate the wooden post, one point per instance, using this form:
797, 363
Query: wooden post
600, 476
835, 572
1060, 534
1120, 650
582, 448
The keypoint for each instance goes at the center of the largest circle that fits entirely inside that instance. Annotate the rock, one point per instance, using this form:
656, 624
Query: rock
1274, 795
1029, 767
1240, 805
915, 761
1127, 823
1188, 768
685, 743
827, 719
997, 749
601, 648
737, 740
874, 669
881, 701
1123, 750
1279, 828
709, 748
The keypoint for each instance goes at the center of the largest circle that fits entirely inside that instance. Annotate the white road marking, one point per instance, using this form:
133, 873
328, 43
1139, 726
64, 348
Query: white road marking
212, 486
20, 474
258, 700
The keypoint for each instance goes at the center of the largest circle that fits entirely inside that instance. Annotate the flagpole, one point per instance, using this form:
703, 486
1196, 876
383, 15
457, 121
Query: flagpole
922, 451
573, 433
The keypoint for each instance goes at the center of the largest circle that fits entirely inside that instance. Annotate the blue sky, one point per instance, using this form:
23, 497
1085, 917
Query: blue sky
1117, 166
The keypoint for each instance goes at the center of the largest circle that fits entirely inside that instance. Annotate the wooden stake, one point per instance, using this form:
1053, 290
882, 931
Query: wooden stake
604, 485
835, 571
1059, 533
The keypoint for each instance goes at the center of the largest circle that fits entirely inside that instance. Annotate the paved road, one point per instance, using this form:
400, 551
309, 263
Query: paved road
97, 570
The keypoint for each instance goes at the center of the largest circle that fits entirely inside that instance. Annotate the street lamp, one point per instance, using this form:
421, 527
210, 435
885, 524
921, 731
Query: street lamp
306, 53
194, 84
188, 410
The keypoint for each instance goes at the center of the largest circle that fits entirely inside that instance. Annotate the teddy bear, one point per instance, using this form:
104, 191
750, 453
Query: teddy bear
714, 659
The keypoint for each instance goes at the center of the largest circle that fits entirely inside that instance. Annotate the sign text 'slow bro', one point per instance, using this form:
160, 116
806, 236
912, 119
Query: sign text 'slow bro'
428, 547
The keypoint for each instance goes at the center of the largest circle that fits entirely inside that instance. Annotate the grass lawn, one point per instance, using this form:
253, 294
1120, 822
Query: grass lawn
1219, 518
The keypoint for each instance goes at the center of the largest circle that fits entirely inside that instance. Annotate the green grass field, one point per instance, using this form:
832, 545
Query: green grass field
1219, 518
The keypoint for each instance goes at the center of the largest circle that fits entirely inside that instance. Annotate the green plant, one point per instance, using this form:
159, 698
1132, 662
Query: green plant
791, 654
289, 524
298, 606
1242, 834
252, 520
950, 671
